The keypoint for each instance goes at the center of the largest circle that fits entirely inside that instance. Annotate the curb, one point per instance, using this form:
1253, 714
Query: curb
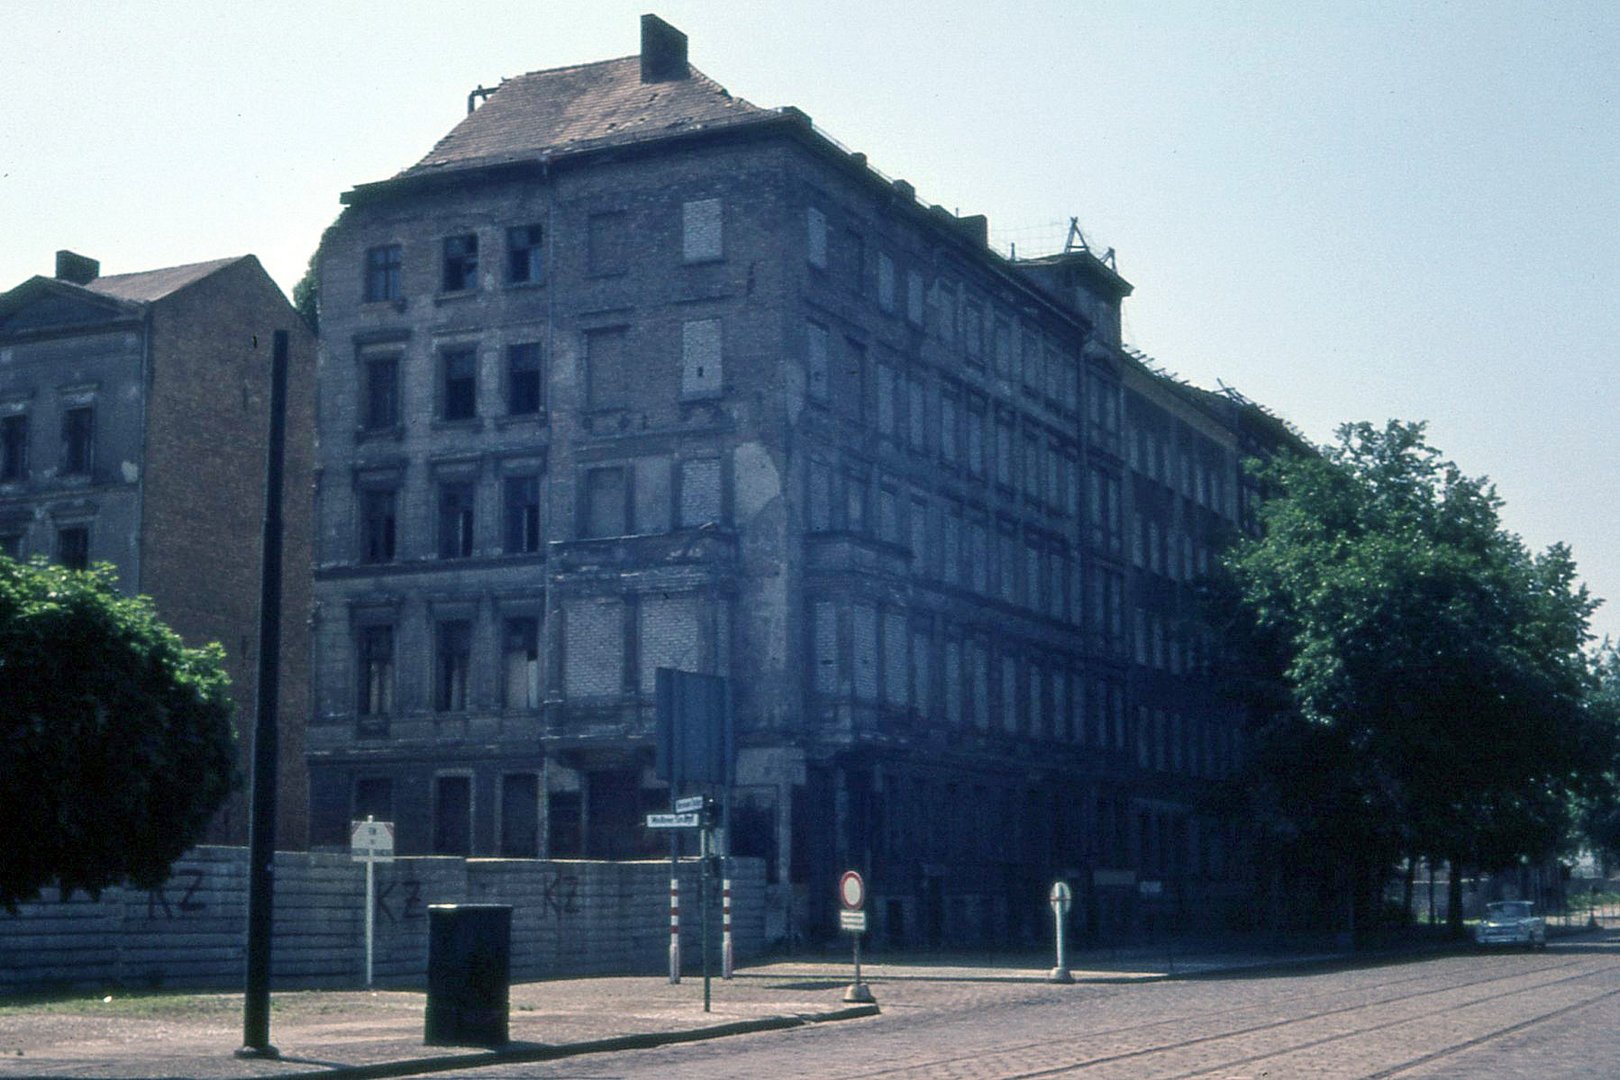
521, 1054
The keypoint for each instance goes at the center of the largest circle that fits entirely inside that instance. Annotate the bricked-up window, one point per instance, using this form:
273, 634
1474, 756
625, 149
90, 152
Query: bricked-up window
1004, 451
520, 663
525, 255
379, 515
700, 492
975, 439
374, 798
896, 660
383, 273
701, 374
381, 401
376, 670
887, 402
606, 368
14, 447
851, 377
885, 282
700, 230
523, 383
78, 440
520, 816
916, 415
852, 260
915, 307
606, 502
452, 815
947, 428
824, 650
521, 515
593, 640
864, 634
816, 362
815, 238
460, 264
455, 519
452, 659
458, 390
819, 481
973, 332
73, 546
607, 242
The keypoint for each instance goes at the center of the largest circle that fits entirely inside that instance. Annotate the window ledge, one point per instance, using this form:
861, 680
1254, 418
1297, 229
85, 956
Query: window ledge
396, 433
454, 297
471, 423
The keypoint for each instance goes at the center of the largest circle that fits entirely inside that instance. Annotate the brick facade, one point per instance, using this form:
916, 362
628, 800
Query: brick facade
799, 429
173, 366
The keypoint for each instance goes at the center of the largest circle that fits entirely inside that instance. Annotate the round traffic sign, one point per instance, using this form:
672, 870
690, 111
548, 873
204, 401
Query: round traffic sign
851, 891
1061, 896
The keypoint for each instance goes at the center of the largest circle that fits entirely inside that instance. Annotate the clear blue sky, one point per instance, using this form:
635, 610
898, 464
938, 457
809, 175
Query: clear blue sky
1347, 211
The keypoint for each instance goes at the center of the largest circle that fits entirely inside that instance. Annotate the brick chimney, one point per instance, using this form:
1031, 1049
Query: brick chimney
663, 51
75, 268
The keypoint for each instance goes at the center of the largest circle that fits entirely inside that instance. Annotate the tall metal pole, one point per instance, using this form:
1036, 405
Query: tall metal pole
262, 830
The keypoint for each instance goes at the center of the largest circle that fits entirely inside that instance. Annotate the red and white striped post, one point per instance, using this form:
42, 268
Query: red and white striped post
674, 929
725, 928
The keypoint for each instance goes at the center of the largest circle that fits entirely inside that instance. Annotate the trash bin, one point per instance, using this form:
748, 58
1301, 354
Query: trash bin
469, 974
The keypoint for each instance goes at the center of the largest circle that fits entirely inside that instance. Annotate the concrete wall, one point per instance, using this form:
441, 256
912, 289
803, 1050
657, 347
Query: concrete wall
569, 918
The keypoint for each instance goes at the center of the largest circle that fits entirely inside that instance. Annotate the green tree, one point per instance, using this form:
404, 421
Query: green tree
1429, 673
116, 740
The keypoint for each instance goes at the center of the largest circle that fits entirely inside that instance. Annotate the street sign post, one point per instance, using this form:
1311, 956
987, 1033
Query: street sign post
1061, 898
371, 842
852, 920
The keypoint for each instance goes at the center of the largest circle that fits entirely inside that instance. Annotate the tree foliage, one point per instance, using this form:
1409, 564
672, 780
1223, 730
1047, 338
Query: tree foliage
1428, 685
116, 740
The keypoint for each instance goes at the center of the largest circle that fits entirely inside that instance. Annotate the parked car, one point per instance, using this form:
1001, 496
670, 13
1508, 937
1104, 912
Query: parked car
1511, 922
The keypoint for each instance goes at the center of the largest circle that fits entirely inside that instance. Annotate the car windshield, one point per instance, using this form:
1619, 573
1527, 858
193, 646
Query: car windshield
1508, 909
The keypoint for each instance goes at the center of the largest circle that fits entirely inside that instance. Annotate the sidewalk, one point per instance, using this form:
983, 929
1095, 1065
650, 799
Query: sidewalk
379, 1033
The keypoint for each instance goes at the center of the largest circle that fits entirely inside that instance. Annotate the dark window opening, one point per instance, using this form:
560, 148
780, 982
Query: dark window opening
452, 815
379, 513
383, 273
455, 520
525, 257
374, 798
382, 393
11, 545
522, 515
78, 440
459, 397
453, 658
520, 663
520, 816
460, 263
14, 447
376, 669
73, 547
523, 379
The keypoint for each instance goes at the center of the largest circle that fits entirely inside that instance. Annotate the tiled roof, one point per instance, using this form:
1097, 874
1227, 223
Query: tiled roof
156, 284
577, 108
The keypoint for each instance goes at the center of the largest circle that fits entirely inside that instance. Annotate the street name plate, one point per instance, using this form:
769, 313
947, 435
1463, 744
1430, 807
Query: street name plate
672, 821
690, 804
854, 921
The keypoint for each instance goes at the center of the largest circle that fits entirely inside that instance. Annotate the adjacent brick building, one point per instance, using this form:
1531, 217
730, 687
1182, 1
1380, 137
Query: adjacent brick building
630, 373
134, 412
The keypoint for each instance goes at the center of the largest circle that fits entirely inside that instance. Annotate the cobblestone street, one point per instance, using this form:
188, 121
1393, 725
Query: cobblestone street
1551, 1014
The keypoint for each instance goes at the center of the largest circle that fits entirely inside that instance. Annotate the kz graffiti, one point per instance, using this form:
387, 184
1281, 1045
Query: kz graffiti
158, 899
562, 895
410, 904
